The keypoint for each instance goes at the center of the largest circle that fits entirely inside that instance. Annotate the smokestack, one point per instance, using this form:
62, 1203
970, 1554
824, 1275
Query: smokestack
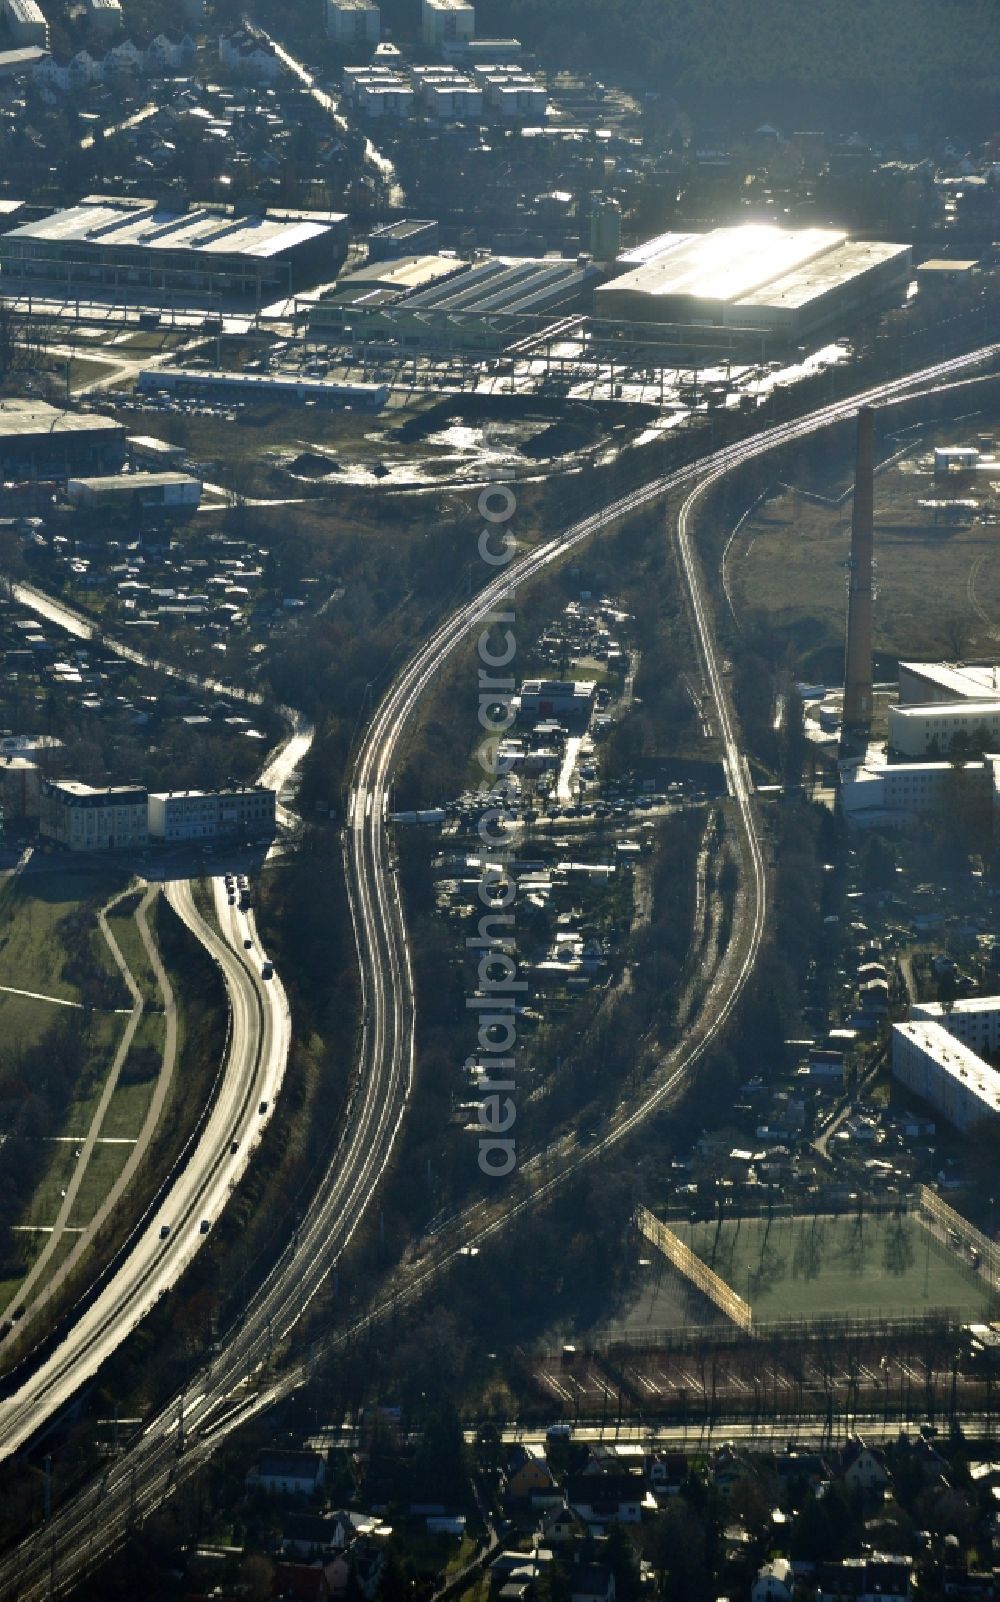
858, 667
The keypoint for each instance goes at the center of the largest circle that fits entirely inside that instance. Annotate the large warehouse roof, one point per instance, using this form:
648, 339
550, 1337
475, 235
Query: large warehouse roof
503, 285
755, 276
822, 273
30, 417
651, 249
404, 273
728, 263
962, 681
144, 224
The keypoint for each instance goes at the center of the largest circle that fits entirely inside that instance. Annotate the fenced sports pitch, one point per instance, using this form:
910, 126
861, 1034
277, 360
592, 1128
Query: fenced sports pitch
837, 1265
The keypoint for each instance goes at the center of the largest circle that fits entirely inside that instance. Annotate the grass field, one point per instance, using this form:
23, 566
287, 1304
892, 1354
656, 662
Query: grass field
789, 566
123, 927
834, 1266
31, 907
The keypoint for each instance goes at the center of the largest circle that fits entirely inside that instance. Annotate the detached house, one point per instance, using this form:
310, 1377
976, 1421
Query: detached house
878, 1577
863, 1468
775, 1582
607, 1498
288, 1473
528, 1474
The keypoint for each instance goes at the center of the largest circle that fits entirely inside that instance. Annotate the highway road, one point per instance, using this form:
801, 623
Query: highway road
192, 1198
239, 1382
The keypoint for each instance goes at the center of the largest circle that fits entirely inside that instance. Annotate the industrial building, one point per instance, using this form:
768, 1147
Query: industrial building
930, 728
255, 388
444, 21
143, 492
42, 441
353, 22
156, 455
548, 698
941, 1070
132, 244
410, 236
782, 282
81, 818
240, 811
461, 306
938, 273
948, 681
395, 276
26, 24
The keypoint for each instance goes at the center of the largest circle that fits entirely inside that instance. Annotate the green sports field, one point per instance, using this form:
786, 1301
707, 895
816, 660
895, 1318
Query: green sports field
837, 1265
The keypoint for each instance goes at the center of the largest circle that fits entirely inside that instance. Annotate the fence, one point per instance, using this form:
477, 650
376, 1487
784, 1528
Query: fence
982, 1251
694, 1270
941, 1324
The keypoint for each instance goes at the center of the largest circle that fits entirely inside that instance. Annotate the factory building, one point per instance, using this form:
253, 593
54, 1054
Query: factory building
41, 441
931, 1063
240, 811
410, 236
26, 24
445, 21
930, 728
948, 681
143, 492
155, 455
474, 307
137, 244
79, 817
548, 698
353, 22
975, 1021
260, 388
782, 282
459, 306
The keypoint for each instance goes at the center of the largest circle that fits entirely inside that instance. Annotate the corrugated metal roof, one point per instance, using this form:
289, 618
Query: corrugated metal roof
818, 277
728, 264
150, 227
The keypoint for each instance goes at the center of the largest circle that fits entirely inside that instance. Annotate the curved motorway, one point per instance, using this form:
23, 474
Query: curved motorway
172, 1230
219, 1398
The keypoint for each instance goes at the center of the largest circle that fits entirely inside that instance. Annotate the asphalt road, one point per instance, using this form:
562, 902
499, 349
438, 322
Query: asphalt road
193, 1197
